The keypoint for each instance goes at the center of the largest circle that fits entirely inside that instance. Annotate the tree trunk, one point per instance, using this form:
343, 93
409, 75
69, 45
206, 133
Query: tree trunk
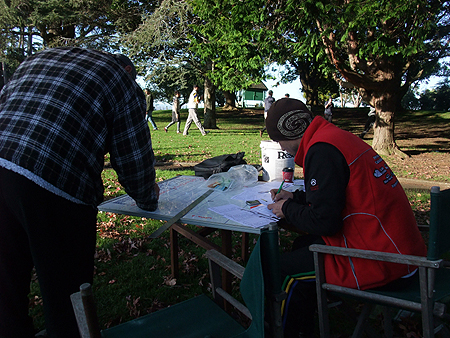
357, 99
230, 100
383, 134
310, 91
210, 105
5, 75
30, 41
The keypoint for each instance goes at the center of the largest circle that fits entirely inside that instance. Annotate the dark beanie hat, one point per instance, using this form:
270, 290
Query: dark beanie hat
287, 119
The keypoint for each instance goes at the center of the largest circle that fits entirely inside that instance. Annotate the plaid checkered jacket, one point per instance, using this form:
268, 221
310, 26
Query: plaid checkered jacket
62, 111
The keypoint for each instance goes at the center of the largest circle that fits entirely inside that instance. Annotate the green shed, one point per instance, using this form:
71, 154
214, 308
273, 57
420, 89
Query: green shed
253, 96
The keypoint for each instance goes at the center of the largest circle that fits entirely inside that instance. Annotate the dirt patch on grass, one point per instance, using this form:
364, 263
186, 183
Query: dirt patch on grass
424, 136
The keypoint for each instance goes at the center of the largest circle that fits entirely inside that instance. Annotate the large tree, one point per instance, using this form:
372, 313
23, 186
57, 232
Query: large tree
242, 38
187, 34
16, 37
93, 24
162, 42
86, 23
230, 39
307, 64
381, 47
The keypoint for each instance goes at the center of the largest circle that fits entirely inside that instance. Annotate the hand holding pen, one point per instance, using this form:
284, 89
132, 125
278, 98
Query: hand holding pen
280, 194
279, 197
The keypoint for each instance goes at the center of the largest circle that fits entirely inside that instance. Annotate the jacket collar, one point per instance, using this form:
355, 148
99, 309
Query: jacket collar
317, 123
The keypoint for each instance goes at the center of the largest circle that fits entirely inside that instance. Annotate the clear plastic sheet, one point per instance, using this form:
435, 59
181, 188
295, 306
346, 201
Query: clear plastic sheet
236, 177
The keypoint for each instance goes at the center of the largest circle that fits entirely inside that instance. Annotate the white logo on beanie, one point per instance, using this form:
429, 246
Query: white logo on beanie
293, 123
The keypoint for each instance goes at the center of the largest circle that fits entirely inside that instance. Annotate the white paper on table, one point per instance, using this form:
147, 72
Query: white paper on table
243, 216
261, 192
263, 211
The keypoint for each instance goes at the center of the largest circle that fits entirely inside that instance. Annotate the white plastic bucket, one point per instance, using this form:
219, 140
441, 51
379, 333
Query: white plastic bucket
274, 160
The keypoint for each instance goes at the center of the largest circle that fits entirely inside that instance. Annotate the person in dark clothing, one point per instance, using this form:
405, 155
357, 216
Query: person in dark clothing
61, 112
369, 123
351, 199
150, 108
267, 103
328, 112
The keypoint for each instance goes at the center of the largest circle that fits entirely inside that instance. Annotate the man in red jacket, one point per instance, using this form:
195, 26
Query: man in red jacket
351, 199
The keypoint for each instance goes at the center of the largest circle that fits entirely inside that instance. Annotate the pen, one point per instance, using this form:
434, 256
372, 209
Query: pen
281, 186
279, 189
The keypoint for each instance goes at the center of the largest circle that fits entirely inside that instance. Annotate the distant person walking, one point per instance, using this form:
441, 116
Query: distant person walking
328, 113
175, 112
369, 123
194, 99
267, 103
150, 108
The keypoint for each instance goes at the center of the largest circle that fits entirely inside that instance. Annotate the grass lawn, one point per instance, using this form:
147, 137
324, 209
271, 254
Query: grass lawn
132, 273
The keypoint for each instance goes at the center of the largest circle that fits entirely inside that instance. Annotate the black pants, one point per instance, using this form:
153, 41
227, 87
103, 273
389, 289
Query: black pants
301, 303
369, 123
41, 229
299, 314
328, 117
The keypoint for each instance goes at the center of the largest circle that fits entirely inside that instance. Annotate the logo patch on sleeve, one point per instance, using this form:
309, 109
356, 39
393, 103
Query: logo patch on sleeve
314, 185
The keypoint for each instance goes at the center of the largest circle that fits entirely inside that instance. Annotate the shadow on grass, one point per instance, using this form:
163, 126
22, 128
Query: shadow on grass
432, 127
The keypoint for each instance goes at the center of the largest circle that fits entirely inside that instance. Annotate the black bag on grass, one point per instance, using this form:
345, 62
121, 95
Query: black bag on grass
218, 164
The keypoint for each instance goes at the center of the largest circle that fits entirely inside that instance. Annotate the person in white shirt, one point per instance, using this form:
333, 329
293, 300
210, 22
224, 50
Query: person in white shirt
194, 99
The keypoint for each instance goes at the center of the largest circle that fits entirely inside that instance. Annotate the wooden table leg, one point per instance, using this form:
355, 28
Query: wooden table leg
205, 243
174, 253
244, 247
195, 237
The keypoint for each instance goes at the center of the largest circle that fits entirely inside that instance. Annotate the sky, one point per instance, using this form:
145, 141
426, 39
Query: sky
293, 89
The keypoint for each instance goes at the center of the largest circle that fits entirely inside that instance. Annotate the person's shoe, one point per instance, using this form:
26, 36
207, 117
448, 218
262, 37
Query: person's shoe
165, 129
178, 132
206, 132
155, 128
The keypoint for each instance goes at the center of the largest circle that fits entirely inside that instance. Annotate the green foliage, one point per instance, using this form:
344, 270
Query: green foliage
437, 98
165, 79
230, 38
160, 48
379, 46
410, 100
241, 39
93, 24
13, 44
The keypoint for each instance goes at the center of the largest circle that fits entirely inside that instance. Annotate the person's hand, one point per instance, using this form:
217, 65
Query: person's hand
283, 195
277, 208
156, 187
